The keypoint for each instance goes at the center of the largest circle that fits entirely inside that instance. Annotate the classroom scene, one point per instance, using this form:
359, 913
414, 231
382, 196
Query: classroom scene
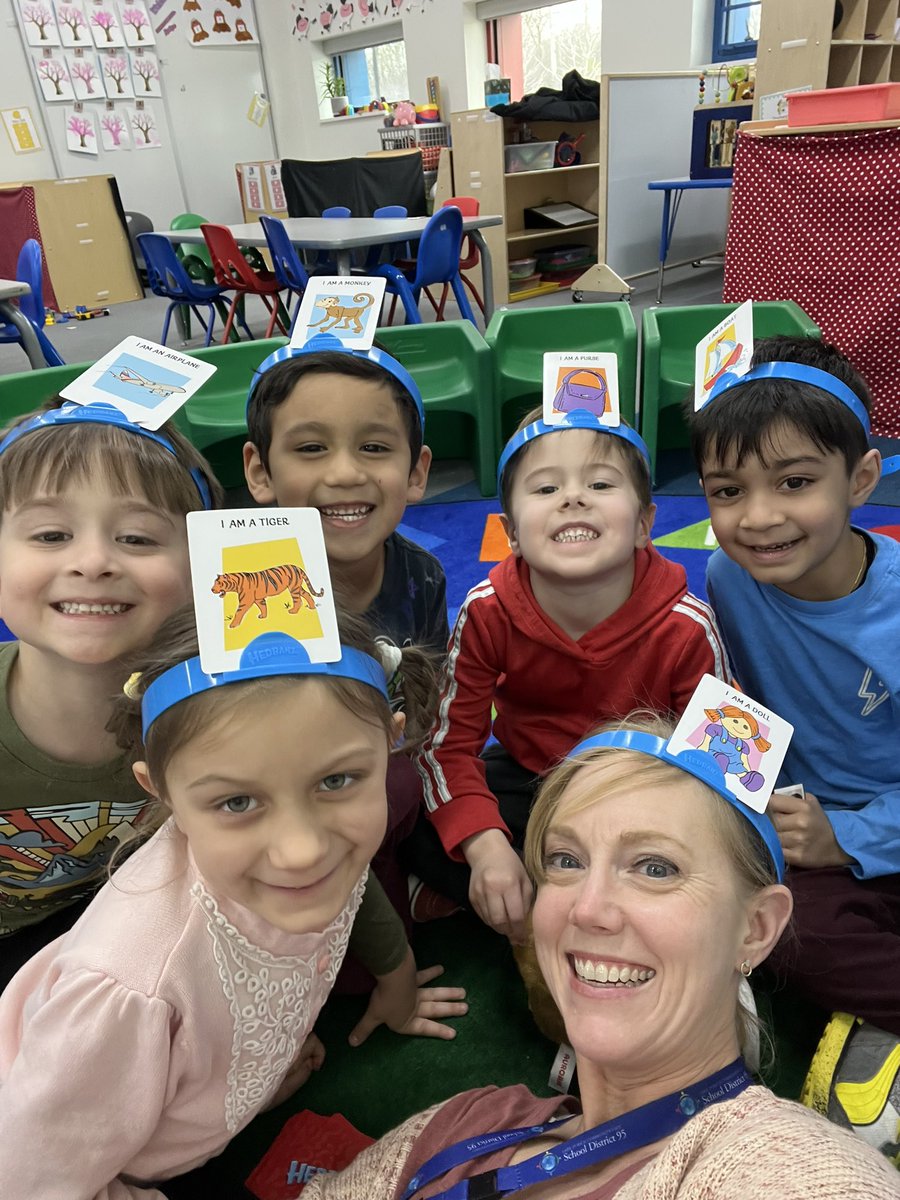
487, 415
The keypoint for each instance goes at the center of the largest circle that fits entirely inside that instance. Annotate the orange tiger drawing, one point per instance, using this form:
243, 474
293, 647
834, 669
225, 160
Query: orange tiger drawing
257, 587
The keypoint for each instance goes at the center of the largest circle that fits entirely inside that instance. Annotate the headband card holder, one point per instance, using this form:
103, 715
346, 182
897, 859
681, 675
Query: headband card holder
256, 571
146, 382
743, 739
581, 380
346, 306
727, 347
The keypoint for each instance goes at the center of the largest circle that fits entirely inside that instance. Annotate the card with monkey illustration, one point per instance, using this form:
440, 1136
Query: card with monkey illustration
348, 307
258, 571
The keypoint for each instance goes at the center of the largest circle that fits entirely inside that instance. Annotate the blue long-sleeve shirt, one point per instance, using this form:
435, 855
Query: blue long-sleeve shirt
831, 668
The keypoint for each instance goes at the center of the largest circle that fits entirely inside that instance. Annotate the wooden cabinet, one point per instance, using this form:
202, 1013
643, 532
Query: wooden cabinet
800, 45
479, 170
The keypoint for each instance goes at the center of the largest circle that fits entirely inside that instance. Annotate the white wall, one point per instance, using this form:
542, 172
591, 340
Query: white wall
646, 35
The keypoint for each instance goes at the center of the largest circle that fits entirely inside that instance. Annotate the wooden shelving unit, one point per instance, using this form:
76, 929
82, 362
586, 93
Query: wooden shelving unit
798, 46
479, 170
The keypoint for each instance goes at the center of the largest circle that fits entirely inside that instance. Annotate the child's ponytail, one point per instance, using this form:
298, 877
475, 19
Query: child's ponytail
416, 694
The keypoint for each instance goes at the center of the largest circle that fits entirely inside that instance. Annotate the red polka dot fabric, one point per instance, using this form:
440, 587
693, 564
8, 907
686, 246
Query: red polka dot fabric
815, 218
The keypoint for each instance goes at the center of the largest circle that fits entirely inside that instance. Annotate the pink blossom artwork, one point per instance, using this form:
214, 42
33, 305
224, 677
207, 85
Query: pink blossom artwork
73, 25
145, 75
144, 132
38, 24
106, 28
86, 78
53, 76
81, 133
117, 76
136, 24
114, 134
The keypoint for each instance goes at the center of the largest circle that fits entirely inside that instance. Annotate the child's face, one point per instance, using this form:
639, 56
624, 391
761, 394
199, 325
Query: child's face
339, 444
284, 804
89, 576
574, 513
788, 523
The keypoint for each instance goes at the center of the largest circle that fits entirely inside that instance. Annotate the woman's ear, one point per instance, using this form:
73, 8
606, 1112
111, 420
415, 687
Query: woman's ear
768, 913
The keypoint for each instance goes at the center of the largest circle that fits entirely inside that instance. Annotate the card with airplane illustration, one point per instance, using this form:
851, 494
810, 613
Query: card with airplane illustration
145, 381
347, 306
727, 348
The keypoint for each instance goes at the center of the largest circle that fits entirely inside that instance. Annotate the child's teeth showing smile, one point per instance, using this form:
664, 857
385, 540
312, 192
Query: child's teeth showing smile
576, 533
75, 608
347, 514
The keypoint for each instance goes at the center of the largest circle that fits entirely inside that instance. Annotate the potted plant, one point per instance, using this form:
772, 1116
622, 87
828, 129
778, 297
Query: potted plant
334, 87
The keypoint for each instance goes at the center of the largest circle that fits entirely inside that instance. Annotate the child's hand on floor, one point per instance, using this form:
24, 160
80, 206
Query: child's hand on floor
402, 1002
807, 837
499, 890
309, 1059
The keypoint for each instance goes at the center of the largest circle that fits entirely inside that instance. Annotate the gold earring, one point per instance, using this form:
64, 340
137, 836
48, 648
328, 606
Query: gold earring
746, 968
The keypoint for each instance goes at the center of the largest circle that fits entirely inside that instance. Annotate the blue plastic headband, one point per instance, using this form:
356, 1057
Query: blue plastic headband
701, 766
800, 373
267, 655
328, 342
102, 414
578, 418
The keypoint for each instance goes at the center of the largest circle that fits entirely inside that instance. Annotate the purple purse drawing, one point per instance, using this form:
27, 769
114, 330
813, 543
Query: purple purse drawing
590, 396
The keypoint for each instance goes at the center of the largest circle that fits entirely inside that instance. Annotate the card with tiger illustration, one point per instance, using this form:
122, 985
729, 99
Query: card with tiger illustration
260, 571
348, 307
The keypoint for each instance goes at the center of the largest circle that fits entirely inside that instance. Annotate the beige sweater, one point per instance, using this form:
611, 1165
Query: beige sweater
755, 1147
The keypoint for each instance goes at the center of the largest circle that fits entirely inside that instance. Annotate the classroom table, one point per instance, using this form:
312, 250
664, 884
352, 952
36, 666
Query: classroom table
672, 190
13, 315
340, 235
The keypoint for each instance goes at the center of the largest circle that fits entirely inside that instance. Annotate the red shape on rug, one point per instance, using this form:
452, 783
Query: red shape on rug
307, 1145
891, 531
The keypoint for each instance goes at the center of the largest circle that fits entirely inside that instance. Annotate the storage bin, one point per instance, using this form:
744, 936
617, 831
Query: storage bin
529, 156
845, 105
520, 268
558, 257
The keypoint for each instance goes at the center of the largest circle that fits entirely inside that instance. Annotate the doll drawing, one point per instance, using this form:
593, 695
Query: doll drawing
727, 739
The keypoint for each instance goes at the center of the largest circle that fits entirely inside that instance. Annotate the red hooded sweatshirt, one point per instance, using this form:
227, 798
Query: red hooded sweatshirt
550, 691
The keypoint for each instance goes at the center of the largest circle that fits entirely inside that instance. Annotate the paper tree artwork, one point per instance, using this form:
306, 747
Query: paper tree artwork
219, 23
38, 24
81, 133
73, 26
114, 133
85, 77
118, 77
136, 25
145, 75
143, 129
106, 28
53, 76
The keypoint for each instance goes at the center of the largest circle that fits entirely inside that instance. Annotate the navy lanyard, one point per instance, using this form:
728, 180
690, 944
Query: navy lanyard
641, 1127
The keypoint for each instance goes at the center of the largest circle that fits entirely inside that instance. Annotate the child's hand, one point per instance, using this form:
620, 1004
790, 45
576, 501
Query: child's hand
309, 1059
401, 1002
807, 837
500, 890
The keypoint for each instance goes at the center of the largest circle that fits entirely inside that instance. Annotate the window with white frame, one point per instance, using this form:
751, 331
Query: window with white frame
373, 73
735, 29
536, 46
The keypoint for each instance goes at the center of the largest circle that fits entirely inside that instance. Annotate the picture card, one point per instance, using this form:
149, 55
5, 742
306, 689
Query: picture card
37, 23
145, 381
53, 78
581, 379
135, 24
257, 571
81, 131
728, 347
73, 25
347, 306
746, 741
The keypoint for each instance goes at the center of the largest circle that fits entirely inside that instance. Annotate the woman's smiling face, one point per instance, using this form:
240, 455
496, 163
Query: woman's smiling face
641, 921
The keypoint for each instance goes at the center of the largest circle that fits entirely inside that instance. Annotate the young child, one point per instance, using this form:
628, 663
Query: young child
179, 1006
93, 558
583, 622
809, 609
342, 431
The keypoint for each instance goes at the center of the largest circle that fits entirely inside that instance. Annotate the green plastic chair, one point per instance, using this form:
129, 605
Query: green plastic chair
214, 418
27, 390
669, 338
451, 363
520, 338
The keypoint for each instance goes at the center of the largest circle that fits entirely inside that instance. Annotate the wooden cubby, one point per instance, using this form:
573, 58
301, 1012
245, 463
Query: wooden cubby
798, 46
479, 169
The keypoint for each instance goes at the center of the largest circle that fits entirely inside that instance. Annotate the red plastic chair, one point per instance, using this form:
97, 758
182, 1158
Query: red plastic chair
470, 256
233, 272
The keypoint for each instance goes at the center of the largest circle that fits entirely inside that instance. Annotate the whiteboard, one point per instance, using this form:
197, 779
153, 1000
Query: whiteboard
649, 120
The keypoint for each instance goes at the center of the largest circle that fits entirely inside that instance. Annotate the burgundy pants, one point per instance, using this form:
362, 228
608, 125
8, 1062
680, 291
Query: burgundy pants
842, 949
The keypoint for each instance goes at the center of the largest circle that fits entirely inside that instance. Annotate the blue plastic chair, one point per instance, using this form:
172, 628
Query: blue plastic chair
29, 269
389, 212
437, 262
325, 264
289, 270
168, 277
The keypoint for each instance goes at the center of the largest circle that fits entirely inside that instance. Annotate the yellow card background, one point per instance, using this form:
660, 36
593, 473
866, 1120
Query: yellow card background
261, 556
